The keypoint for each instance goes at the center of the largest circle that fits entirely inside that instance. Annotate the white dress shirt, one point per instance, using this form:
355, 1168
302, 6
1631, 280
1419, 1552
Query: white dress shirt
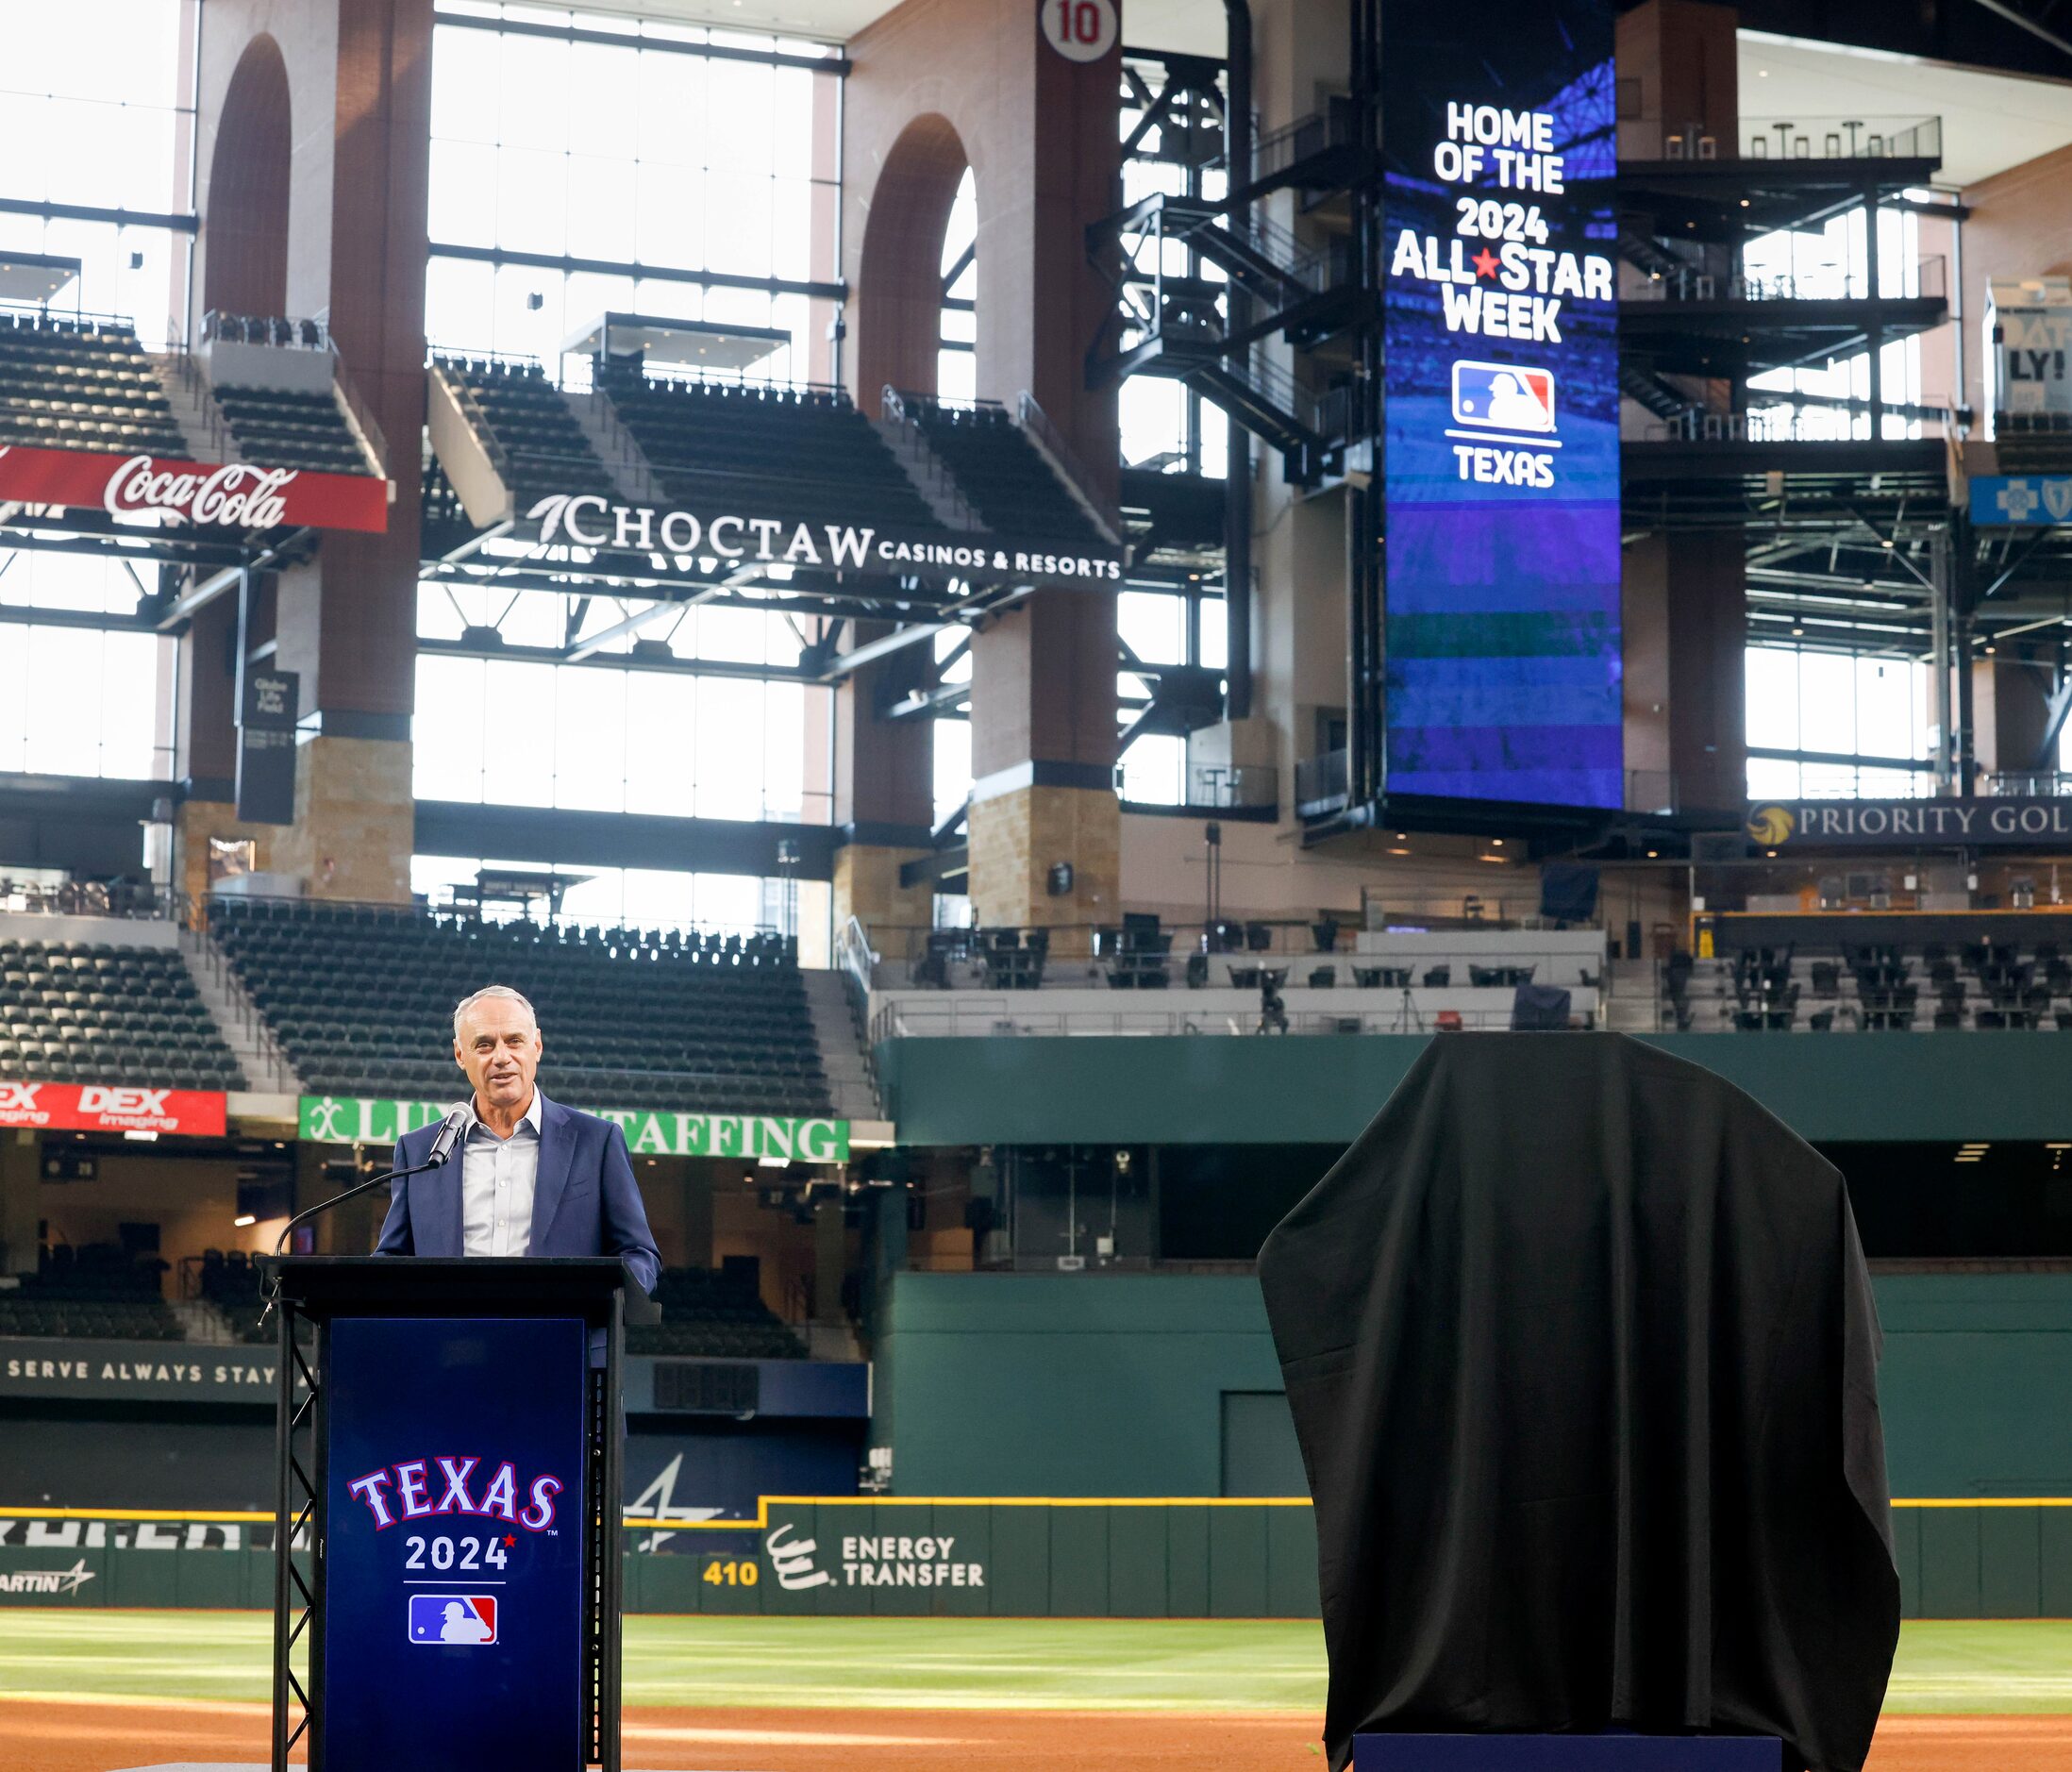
496, 1182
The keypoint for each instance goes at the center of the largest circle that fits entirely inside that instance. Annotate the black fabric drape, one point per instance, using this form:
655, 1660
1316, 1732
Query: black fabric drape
1583, 1357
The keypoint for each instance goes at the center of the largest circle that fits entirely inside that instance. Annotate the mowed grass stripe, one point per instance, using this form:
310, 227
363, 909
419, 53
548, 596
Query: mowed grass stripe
1196, 1666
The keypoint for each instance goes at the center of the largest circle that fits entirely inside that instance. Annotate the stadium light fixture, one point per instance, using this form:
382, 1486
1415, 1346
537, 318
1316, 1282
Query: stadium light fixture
142, 1138
243, 1219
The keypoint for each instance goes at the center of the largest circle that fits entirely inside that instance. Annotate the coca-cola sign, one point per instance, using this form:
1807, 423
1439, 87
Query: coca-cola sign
239, 497
233, 495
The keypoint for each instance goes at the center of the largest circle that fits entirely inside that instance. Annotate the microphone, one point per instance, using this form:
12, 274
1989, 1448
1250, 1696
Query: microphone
450, 1131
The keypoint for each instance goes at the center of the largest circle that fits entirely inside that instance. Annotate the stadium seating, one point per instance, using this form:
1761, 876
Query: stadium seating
99, 1290
230, 1281
527, 423
96, 1013
1007, 481
283, 429
712, 1315
792, 452
1991, 987
361, 998
70, 384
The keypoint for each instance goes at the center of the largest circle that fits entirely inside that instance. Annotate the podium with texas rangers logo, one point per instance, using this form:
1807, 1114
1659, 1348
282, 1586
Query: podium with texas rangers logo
449, 1461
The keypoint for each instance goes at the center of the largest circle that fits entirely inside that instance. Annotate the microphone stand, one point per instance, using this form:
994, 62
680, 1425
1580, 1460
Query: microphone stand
436, 1161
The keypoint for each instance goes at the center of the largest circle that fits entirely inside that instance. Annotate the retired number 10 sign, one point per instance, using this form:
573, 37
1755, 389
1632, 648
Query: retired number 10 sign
1079, 30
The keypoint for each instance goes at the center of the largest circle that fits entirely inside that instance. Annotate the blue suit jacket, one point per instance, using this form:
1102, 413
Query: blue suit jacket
584, 1200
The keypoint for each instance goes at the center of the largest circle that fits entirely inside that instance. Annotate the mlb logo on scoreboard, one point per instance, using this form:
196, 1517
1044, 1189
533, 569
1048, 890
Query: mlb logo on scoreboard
453, 1618
1503, 396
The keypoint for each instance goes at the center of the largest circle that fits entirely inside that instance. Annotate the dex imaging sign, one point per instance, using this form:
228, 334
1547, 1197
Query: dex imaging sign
1501, 448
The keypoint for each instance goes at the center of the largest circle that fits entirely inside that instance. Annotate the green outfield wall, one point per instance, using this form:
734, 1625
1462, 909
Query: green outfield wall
1026, 1558
1323, 1088
1116, 1384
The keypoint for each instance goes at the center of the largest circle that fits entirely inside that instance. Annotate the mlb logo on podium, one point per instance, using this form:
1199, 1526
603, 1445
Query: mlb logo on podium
1503, 396
453, 1618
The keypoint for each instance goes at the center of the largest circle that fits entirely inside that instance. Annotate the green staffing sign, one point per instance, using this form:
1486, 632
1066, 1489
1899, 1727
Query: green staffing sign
370, 1120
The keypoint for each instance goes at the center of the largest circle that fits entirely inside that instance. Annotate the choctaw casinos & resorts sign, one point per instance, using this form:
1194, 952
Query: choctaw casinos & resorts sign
649, 1132
727, 540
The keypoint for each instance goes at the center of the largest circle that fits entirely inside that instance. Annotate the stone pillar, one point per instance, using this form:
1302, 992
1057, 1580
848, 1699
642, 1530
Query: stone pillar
20, 1175
1684, 60
205, 740
830, 1259
2010, 700
1684, 596
698, 1181
883, 794
343, 86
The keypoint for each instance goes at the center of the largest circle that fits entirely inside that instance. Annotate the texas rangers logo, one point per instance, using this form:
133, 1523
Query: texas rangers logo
442, 1618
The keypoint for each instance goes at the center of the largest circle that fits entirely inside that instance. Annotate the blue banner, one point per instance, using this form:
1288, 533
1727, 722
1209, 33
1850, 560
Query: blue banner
452, 1599
1567, 1753
2024, 500
1502, 447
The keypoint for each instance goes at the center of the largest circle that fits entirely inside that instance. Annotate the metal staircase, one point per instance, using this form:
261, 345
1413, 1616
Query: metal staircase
1199, 328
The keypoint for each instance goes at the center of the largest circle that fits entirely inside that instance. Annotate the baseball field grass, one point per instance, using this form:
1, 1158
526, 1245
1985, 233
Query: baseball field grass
1198, 1666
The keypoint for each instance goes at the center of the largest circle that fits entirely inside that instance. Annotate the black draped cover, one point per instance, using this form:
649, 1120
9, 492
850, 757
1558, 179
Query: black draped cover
1583, 1357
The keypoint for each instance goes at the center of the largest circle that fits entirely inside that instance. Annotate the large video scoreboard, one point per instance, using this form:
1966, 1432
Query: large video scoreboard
1502, 454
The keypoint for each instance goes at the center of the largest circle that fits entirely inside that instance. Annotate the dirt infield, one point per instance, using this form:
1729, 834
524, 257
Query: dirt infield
100, 1734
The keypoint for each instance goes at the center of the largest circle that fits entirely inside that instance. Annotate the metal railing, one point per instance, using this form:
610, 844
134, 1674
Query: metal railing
1904, 137
1803, 419
1274, 153
965, 1015
276, 332
199, 943
1050, 441
1840, 137
941, 484
1321, 780
2031, 784
140, 902
1923, 277
1216, 788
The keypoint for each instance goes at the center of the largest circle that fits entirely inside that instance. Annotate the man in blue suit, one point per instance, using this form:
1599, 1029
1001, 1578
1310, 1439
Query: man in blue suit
531, 1176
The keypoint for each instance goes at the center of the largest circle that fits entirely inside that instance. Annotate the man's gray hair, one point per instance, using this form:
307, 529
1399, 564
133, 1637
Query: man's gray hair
504, 990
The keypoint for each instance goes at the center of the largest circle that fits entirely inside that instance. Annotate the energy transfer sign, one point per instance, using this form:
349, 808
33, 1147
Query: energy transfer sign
649, 1132
1502, 456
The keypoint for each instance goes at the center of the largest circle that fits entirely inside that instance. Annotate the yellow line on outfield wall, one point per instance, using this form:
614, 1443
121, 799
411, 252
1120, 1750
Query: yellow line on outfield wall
649, 1522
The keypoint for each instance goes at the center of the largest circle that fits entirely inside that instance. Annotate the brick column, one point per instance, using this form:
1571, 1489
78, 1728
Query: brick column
358, 111
1040, 135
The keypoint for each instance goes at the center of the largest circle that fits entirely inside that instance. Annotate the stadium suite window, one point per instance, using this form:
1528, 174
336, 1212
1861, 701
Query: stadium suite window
1831, 263
654, 898
1835, 705
628, 153
595, 738
76, 701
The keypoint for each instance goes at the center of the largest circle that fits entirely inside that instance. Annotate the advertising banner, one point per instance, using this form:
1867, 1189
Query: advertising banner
452, 1617
241, 496
2008, 823
649, 1132
2022, 500
1501, 465
266, 746
76, 1369
589, 520
105, 1108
